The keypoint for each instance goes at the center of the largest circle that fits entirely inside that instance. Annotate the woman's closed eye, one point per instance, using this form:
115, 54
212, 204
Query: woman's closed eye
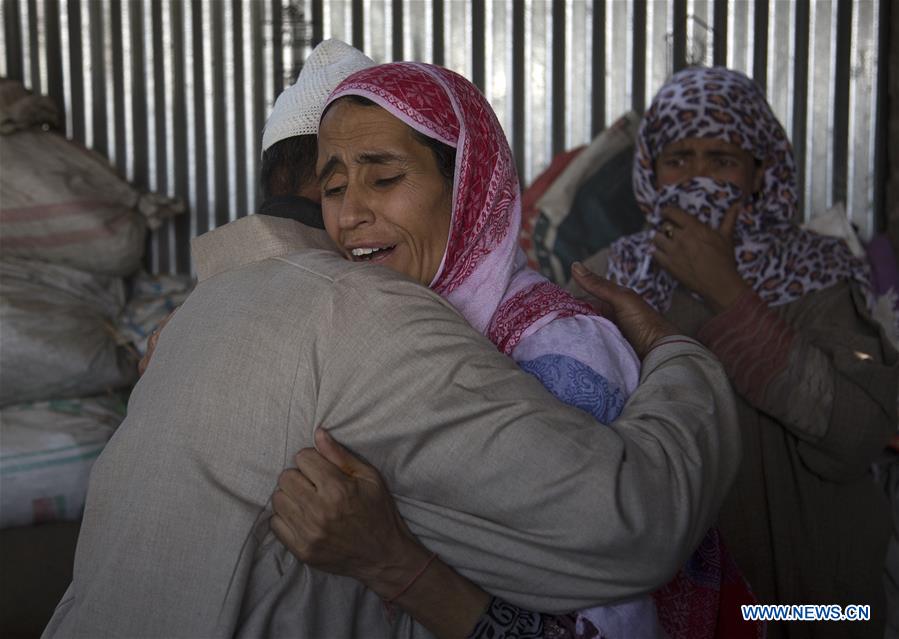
333, 190
387, 181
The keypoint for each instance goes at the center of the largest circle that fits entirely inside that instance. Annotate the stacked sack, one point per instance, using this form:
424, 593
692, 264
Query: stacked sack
71, 230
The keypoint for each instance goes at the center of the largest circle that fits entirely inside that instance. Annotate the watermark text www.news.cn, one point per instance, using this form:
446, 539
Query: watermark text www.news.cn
806, 612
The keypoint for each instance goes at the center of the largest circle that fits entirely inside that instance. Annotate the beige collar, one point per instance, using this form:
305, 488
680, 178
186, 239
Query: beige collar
251, 239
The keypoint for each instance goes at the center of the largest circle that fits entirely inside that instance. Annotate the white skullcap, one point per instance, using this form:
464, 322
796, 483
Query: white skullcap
299, 107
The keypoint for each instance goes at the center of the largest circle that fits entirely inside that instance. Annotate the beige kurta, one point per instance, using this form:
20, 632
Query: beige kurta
520, 493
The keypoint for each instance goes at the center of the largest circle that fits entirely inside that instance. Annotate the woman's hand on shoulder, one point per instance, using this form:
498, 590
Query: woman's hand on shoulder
700, 257
151, 344
640, 324
334, 513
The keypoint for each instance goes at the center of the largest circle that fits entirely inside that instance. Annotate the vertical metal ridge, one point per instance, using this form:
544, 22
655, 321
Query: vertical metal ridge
277, 59
827, 144
557, 126
492, 44
258, 98
437, 40
317, 22
220, 151
518, 80
168, 247
779, 63
159, 92
151, 53
53, 54
885, 16
27, 46
138, 142
76, 112
862, 171
93, 85
227, 142
598, 101
200, 206
638, 98
86, 71
679, 35
760, 49
358, 25
367, 31
856, 188
34, 71
414, 33
477, 44
181, 234
397, 48
3, 45
840, 135
126, 135
812, 124
240, 112
12, 33
719, 55
65, 66
41, 48
800, 90
578, 70
750, 42
651, 55
191, 116
117, 143
160, 253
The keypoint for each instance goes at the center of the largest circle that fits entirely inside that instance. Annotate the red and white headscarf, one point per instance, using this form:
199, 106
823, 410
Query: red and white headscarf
781, 261
483, 273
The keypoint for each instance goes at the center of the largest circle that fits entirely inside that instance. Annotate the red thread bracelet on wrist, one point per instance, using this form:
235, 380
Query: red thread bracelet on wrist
389, 602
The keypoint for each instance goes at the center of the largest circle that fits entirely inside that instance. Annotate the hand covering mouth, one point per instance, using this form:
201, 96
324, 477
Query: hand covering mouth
368, 253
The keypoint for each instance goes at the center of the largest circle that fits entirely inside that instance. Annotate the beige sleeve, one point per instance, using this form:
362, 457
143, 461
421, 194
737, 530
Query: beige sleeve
529, 498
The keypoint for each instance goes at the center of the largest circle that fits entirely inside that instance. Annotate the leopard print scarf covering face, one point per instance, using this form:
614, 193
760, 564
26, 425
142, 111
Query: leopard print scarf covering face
781, 261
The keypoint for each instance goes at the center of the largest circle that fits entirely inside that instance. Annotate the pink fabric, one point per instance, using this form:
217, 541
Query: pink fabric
484, 273
704, 598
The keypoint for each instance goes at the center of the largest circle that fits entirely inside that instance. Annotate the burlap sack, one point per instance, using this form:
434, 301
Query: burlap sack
64, 204
57, 333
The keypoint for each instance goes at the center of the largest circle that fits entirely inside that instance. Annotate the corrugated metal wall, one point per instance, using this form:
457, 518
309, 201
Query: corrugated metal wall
176, 92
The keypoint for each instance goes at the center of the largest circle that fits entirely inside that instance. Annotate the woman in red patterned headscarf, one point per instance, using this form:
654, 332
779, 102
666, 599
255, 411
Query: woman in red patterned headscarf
417, 176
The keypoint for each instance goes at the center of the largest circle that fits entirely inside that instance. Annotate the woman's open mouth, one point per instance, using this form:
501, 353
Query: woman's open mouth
371, 254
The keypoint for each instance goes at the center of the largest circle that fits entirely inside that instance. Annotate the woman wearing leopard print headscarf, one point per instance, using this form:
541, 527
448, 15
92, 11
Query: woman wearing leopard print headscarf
786, 311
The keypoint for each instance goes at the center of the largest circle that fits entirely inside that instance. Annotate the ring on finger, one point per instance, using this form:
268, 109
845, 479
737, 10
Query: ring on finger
668, 231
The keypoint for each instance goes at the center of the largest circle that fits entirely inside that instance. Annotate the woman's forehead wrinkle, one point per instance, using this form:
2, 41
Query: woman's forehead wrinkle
380, 157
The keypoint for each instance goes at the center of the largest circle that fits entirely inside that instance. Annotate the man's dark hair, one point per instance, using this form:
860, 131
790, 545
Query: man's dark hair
288, 166
444, 154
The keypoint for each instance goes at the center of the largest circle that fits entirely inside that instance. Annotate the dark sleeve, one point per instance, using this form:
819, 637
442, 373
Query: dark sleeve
820, 367
503, 620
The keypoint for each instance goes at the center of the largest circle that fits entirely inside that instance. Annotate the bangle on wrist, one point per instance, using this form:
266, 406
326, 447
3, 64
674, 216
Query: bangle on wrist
388, 603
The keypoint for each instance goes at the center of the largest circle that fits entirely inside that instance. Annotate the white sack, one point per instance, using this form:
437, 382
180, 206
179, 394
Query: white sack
57, 333
61, 203
46, 453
